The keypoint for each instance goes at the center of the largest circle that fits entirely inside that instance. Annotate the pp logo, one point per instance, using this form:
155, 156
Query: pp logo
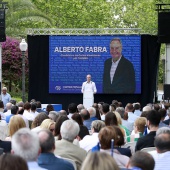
58, 87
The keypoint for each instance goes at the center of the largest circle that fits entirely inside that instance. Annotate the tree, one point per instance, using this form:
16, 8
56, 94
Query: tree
12, 63
22, 14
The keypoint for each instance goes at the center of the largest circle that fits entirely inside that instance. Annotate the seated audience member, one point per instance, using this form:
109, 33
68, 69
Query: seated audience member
80, 107
163, 114
47, 159
16, 122
58, 124
83, 129
162, 144
49, 108
3, 117
65, 147
89, 141
99, 160
95, 105
72, 108
106, 134
125, 123
8, 108
105, 110
46, 124
146, 108
14, 111
111, 120
112, 108
62, 113
12, 162
3, 129
53, 115
141, 161
131, 116
20, 113
139, 127
137, 110
33, 111
26, 144
27, 114
39, 119
153, 120
86, 118
156, 107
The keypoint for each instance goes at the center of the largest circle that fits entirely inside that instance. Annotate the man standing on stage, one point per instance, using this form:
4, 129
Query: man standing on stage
119, 74
89, 86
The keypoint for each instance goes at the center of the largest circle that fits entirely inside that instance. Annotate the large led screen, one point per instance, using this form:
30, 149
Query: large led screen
71, 58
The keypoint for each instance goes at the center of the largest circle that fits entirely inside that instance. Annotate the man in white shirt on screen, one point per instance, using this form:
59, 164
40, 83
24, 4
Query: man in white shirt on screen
88, 86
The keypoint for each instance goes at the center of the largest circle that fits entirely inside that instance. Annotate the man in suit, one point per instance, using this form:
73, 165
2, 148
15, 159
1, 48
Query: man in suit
65, 147
47, 158
119, 74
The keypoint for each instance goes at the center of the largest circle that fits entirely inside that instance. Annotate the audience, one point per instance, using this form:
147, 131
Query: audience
105, 109
72, 108
49, 108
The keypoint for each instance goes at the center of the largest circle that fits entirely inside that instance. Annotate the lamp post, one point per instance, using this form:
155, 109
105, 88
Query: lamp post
23, 47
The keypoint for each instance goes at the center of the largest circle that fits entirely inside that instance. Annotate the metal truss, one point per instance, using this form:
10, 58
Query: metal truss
83, 31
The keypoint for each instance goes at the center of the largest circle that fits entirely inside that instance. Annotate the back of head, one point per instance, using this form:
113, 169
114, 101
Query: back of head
119, 120
27, 106
154, 117
92, 111
105, 108
14, 162
140, 123
69, 130
38, 103
77, 117
99, 160
63, 113
106, 134
16, 122
58, 124
47, 142
1, 104
8, 106
14, 110
39, 119
121, 111
136, 106
85, 114
97, 125
156, 107
53, 115
72, 108
13, 101
25, 143
129, 107
146, 108
110, 119
20, 104
166, 105
142, 160
80, 107
162, 140
33, 106
162, 113
47, 123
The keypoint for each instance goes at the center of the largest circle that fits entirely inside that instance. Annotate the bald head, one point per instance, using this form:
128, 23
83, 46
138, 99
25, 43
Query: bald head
8, 106
47, 142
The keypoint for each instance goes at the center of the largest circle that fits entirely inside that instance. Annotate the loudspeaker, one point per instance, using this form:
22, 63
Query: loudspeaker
166, 91
2, 25
164, 27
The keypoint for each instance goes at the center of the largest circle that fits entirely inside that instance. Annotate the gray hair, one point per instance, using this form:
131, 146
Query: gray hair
121, 111
25, 143
69, 130
63, 113
146, 108
80, 107
163, 130
4, 88
8, 106
54, 115
92, 111
97, 125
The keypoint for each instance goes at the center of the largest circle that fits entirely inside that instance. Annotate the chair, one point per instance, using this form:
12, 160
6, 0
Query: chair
71, 161
149, 149
131, 146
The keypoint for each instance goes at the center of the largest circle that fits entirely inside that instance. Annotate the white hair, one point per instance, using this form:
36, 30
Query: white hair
4, 88
92, 111
25, 143
146, 108
69, 130
8, 106
163, 130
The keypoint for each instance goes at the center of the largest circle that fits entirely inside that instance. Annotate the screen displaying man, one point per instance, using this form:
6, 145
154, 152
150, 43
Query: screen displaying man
119, 74
89, 86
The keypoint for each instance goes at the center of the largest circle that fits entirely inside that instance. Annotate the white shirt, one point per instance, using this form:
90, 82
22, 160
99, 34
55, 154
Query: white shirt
113, 69
103, 117
88, 87
161, 160
137, 112
89, 141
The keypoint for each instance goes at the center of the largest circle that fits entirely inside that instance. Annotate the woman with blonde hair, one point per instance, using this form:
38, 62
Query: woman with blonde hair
48, 124
99, 160
16, 122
